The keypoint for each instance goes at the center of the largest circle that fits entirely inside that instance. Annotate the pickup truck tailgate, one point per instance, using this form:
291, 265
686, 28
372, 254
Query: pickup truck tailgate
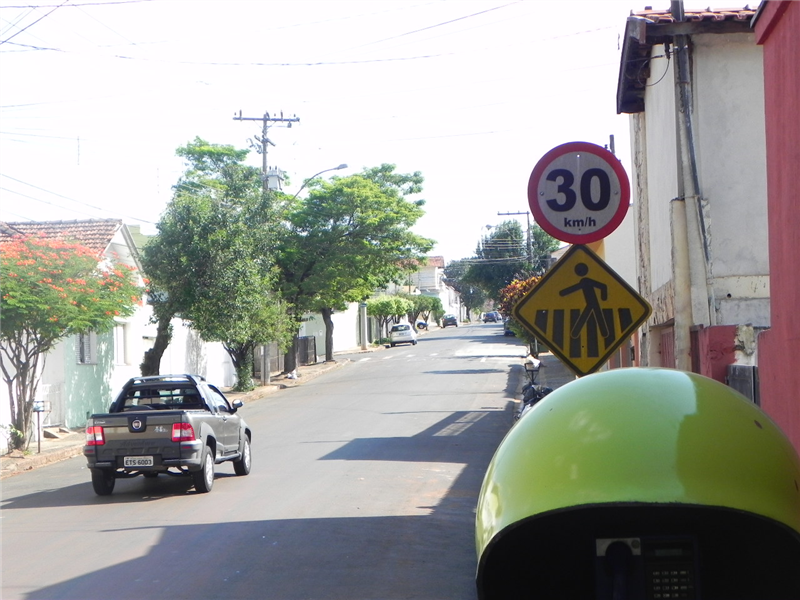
146, 434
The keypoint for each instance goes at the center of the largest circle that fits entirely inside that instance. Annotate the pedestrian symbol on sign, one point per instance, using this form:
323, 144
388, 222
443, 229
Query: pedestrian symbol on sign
593, 309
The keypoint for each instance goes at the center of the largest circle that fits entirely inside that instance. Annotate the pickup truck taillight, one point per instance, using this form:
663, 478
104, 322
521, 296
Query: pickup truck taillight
182, 432
95, 436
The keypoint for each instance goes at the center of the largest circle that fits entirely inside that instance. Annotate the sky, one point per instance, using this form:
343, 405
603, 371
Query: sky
96, 96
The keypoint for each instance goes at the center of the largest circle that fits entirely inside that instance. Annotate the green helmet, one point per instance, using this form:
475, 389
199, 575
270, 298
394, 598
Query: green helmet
636, 451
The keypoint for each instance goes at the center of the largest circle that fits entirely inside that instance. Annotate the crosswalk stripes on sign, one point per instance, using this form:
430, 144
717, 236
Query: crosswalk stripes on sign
558, 324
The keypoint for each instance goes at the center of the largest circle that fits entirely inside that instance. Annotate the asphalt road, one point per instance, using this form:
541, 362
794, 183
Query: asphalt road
363, 486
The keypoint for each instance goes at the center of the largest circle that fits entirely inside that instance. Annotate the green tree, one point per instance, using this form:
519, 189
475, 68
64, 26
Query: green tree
503, 256
386, 309
422, 305
350, 236
52, 288
472, 296
211, 260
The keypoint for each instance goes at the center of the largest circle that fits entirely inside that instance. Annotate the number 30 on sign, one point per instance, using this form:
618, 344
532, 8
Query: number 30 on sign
579, 192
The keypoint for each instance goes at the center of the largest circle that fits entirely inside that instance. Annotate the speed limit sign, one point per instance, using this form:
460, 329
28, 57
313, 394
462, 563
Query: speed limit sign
579, 192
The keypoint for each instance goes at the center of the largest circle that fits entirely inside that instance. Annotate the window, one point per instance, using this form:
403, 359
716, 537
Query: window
86, 348
120, 338
216, 399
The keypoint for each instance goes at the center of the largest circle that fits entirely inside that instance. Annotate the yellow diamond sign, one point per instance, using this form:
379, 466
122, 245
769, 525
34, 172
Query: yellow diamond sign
582, 310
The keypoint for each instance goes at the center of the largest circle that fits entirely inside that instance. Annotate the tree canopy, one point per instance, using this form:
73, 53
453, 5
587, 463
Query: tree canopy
52, 288
212, 257
472, 296
387, 308
503, 256
350, 236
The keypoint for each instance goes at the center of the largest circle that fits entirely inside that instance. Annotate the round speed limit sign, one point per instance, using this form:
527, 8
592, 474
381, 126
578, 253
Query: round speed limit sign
579, 192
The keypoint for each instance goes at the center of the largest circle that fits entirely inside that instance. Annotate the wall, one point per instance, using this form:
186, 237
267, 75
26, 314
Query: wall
730, 135
662, 172
730, 223
345, 330
777, 29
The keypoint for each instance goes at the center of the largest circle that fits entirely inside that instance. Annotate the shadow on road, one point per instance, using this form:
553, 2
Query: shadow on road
424, 557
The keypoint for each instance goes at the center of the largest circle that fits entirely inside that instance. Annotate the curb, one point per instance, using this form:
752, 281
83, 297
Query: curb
14, 465
72, 444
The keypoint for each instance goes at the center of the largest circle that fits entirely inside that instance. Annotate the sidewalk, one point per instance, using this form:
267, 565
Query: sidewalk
553, 373
70, 443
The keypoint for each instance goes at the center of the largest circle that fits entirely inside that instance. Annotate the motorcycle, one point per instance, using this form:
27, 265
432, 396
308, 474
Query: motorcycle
531, 394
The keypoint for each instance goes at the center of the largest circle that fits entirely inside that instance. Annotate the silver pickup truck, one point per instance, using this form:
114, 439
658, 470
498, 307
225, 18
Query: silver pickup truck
174, 424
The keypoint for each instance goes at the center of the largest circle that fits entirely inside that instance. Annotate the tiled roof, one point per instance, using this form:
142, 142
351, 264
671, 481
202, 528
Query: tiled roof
708, 14
95, 234
435, 261
647, 28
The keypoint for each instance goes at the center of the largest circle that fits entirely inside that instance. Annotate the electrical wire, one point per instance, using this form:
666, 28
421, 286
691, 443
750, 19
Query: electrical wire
66, 198
34, 23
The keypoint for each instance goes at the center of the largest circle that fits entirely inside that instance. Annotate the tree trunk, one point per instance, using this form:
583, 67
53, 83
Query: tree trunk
151, 364
326, 317
290, 358
242, 357
22, 362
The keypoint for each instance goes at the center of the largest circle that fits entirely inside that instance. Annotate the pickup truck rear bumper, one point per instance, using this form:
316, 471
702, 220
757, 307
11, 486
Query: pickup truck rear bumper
190, 457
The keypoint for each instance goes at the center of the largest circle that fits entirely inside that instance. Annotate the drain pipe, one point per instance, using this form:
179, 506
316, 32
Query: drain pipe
689, 189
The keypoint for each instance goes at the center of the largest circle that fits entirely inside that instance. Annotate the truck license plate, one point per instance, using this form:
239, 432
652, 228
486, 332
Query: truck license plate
137, 461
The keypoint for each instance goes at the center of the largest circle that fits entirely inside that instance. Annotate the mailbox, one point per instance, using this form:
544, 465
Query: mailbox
637, 484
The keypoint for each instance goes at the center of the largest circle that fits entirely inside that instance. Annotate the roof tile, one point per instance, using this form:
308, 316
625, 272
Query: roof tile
95, 234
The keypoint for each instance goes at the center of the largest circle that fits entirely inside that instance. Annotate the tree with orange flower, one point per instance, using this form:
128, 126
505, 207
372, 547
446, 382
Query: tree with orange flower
509, 296
51, 289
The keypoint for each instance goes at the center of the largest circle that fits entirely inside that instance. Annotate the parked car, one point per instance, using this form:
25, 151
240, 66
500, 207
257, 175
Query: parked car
449, 320
402, 333
491, 317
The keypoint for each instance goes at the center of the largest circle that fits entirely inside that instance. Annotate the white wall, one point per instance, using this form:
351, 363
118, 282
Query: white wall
728, 120
345, 330
662, 174
187, 353
733, 177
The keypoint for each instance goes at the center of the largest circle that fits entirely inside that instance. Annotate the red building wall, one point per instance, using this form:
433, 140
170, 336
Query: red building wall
778, 30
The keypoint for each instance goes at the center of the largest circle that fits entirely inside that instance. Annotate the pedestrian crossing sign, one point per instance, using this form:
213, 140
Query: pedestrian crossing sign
582, 310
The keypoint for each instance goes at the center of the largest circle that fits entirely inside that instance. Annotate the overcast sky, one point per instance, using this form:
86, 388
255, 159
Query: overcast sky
95, 96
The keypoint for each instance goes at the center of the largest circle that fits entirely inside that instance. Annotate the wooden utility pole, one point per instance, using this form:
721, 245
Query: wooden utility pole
264, 141
529, 241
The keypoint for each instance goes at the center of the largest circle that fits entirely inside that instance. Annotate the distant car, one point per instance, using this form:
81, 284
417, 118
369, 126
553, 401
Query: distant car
402, 334
491, 317
449, 320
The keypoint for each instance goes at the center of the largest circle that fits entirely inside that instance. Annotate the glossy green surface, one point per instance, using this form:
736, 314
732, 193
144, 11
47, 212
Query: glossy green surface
640, 435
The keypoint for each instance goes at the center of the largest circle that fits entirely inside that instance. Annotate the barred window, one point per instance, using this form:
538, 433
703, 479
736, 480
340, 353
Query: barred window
86, 348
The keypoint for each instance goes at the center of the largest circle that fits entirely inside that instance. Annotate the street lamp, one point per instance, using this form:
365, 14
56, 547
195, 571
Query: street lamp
307, 181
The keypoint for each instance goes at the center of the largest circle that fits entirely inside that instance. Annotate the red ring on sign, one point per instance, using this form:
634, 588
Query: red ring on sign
539, 170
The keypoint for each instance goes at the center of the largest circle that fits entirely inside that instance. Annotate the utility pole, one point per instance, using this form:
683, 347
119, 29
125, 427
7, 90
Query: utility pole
264, 141
530, 242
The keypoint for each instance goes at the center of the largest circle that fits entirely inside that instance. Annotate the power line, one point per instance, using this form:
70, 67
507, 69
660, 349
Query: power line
66, 198
34, 23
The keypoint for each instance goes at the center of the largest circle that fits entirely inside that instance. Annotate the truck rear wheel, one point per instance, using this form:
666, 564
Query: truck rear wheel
103, 481
204, 478
242, 465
